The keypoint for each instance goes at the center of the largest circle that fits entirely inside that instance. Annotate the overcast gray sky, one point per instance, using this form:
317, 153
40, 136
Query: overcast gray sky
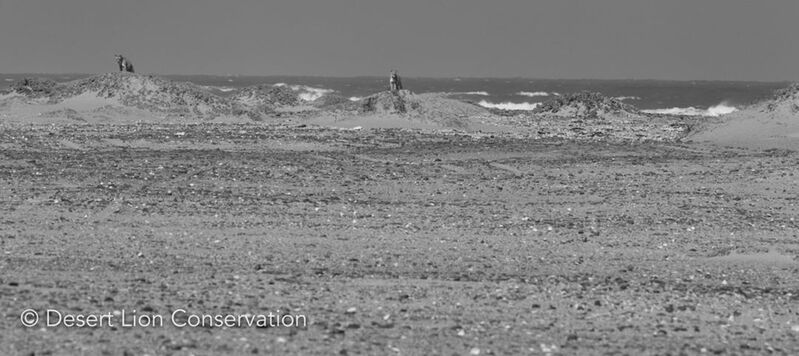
658, 39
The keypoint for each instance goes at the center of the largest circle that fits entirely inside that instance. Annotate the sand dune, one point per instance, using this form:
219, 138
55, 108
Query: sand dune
112, 97
773, 123
407, 110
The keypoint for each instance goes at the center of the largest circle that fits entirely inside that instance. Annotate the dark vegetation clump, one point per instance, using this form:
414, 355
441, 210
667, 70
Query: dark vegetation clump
35, 87
585, 103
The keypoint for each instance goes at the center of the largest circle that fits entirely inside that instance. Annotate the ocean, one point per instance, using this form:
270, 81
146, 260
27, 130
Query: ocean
677, 97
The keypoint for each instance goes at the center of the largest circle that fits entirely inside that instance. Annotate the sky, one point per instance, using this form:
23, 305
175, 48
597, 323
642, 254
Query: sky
556, 39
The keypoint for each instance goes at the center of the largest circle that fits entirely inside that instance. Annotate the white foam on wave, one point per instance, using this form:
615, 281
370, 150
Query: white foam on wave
356, 98
622, 98
9, 79
481, 93
508, 105
222, 89
714, 111
307, 93
533, 94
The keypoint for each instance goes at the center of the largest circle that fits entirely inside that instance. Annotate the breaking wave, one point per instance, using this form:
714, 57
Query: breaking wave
356, 98
622, 98
307, 93
508, 105
533, 94
718, 110
481, 93
219, 88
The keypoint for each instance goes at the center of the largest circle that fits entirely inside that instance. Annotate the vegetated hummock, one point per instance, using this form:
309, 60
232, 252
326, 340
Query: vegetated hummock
785, 100
594, 116
407, 102
263, 96
159, 95
585, 104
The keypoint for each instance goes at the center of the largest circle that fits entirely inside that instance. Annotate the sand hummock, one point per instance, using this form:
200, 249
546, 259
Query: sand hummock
432, 105
127, 97
114, 97
773, 123
405, 109
594, 116
122, 97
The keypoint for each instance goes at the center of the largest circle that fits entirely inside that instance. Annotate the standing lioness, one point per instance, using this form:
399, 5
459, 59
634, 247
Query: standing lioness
394, 81
125, 65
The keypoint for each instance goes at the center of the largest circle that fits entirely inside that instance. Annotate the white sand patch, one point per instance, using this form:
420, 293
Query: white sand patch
751, 131
770, 257
86, 102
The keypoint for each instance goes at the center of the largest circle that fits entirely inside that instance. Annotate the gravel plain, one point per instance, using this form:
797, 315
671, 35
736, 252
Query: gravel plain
392, 241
